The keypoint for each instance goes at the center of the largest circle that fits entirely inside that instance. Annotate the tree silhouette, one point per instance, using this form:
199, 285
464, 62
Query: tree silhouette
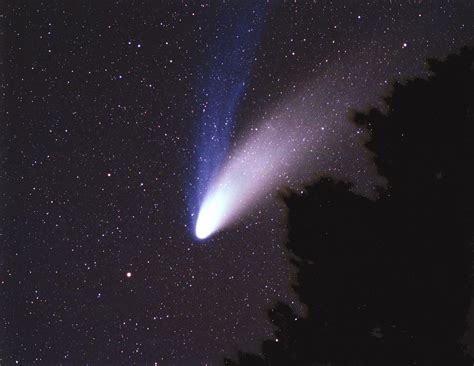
388, 282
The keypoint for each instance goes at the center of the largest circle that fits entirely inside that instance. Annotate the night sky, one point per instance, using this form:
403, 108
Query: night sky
118, 115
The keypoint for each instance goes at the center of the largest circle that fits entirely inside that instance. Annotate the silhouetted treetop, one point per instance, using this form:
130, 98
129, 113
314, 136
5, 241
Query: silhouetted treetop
388, 282
426, 121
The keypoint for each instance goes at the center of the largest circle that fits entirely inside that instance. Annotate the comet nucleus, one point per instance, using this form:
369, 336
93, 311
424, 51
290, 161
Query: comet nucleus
213, 211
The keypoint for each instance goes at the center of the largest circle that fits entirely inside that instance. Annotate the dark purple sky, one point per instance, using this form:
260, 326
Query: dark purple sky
101, 144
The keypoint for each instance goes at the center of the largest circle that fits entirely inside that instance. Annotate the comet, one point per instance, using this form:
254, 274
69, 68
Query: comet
269, 157
294, 142
290, 142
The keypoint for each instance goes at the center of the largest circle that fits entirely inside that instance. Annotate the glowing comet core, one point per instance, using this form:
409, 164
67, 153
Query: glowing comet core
213, 212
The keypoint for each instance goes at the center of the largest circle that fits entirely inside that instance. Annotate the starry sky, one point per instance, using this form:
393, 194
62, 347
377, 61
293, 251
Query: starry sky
116, 116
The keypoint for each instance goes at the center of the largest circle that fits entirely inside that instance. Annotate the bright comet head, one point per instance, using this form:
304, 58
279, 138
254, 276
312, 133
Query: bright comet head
205, 224
213, 211
203, 228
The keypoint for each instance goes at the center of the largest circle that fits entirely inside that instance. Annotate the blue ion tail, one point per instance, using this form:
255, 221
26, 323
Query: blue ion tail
223, 80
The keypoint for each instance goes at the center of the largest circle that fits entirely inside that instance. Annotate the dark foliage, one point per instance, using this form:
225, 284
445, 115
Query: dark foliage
388, 282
